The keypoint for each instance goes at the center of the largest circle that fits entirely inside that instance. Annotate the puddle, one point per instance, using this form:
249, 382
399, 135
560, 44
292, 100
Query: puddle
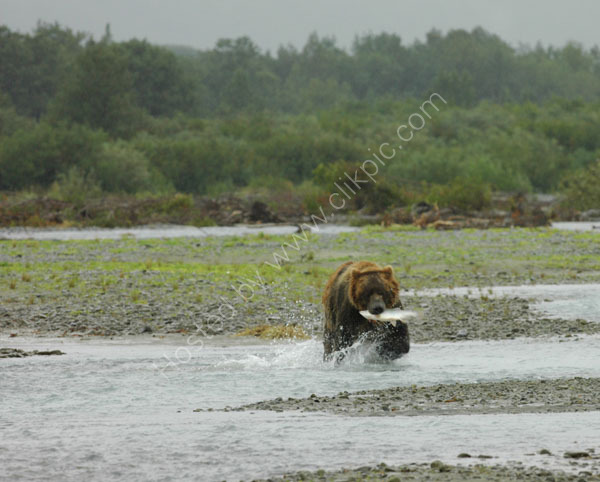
560, 301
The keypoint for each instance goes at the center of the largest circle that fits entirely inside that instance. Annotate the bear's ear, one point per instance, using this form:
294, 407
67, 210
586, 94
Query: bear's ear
388, 271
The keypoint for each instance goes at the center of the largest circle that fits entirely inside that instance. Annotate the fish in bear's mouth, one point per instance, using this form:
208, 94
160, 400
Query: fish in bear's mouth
392, 316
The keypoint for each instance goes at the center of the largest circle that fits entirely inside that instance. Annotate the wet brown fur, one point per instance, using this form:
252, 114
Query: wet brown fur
347, 292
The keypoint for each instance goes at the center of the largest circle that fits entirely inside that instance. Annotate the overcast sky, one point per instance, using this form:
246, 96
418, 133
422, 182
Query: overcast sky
270, 23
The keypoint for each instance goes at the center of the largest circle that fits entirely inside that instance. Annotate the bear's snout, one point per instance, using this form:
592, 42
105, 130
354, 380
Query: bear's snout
376, 305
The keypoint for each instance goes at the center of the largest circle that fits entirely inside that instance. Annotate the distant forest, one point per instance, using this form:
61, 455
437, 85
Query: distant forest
132, 117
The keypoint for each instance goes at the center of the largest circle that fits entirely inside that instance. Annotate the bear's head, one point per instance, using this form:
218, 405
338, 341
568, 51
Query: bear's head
373, 289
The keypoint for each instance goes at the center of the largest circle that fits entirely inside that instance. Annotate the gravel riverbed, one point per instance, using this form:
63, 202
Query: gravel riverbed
510, 396
442, 317
128, 287
438, 471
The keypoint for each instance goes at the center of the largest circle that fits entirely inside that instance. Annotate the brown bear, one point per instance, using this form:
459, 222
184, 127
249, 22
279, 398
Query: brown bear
358, 286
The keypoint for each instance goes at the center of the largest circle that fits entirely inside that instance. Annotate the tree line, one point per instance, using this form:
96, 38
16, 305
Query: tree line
135, 117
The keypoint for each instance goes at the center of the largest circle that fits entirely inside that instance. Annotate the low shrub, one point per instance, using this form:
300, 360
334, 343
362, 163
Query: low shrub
465, 194
75, 186
122, 168
581, 189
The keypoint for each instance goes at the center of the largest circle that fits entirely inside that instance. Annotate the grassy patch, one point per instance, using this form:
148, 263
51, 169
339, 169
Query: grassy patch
194, 271
275, 332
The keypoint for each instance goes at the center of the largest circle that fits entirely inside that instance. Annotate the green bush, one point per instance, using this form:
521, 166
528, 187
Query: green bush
381, 196
35, 157
581, 189
177, 203
312, 196
465, 194
75, 186
196, 163
122, 168
270, 184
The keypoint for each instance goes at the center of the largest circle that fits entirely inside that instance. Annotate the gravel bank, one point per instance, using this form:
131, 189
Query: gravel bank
438, 471
510, 396
166, 310
17, 353
455, 318
128, 286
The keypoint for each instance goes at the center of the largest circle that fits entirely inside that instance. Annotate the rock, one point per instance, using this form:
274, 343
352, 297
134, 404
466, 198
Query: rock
18, 353
440, 466
260, 213
48, 352
576, 455
419, 208
11, 353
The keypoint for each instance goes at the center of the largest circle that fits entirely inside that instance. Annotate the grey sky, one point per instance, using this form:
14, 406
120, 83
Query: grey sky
271, 23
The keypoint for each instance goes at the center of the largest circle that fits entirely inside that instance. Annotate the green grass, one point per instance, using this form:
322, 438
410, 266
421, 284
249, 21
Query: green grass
144, 269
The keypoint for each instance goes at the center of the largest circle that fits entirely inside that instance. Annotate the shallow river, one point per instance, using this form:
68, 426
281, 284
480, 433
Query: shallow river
123, 408
176, 231
163, 231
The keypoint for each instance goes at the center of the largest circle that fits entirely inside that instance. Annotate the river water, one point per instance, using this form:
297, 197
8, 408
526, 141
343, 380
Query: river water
164, 231
123, 408
176, 231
